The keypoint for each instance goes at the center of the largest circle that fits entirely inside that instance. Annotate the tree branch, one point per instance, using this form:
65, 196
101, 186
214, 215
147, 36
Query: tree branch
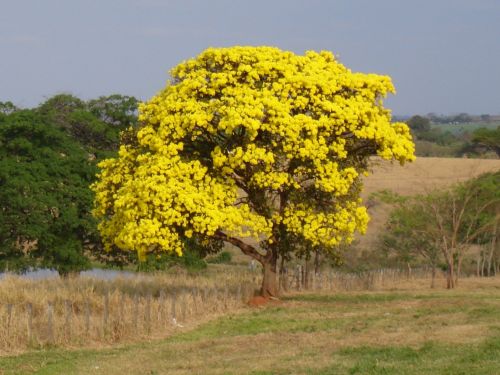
245, 248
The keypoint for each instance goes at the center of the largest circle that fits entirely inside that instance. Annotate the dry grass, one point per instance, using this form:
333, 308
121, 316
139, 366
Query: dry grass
93, 313
408, 330
87, 312
425, 174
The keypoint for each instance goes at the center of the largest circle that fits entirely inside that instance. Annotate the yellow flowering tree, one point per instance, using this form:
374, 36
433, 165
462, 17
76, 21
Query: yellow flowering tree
249, 142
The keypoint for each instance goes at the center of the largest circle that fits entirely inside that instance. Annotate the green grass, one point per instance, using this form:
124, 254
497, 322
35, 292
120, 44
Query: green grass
462, 128
430, 358
442, 332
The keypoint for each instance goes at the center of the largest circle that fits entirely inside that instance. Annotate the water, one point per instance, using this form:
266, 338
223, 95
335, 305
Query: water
97, 273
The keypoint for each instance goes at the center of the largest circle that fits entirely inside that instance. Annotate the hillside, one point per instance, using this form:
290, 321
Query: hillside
423, 175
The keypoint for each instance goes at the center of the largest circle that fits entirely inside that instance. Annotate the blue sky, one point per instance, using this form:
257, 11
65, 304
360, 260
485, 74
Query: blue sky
443, 55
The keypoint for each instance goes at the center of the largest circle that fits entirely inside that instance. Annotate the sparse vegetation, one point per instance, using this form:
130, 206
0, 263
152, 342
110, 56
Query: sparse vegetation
223, 258
445, 224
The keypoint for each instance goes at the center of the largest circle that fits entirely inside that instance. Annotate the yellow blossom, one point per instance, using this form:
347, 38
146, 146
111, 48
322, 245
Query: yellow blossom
244, 140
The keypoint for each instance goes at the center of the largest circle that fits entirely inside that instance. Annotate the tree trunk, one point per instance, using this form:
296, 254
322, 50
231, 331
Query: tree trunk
433, 276
317, 262
283, 276
268, 261
458, 271
307, 277
450, 275
408, 270
483, 262
269, 281
478, 263
492, 248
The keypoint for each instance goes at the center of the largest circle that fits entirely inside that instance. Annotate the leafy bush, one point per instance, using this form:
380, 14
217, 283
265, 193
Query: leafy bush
222, 258
190, 260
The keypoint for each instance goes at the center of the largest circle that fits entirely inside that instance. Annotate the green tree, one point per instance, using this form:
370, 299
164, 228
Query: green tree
96, 124
461, 216
6, 108
407, 235
419, 123
44, 195
485, 117
488, 139
59, 107
119, 111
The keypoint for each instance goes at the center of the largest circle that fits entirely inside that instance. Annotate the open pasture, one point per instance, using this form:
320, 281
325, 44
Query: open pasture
457, 129
408, 329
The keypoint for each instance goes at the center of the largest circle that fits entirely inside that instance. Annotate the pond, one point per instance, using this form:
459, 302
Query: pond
98, 273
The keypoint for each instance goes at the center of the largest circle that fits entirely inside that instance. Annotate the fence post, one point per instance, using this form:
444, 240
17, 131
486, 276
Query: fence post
226, 297
238, 294
87, 317
285, 279
195, 304
135, 316
183, 306
50, 323
122, 308
205, 295
161, 307
67, 320
215, 296
147, 313
29, 311
174, 308
9, 317
105, 317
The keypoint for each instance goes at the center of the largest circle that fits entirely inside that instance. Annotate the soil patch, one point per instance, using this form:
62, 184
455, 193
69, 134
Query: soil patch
259, 301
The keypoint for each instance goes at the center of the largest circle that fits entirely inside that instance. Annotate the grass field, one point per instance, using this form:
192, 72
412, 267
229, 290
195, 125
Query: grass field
405, 331
462, 128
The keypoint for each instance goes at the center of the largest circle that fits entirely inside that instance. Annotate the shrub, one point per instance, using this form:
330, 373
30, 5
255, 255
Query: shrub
222, 258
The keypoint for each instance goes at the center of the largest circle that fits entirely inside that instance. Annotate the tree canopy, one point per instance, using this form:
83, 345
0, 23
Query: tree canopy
249, 142
487, 138
43, 194
419, 123
48, 158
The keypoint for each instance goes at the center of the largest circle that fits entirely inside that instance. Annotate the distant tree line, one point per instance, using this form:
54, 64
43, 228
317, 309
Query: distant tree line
460, 118
433, 141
